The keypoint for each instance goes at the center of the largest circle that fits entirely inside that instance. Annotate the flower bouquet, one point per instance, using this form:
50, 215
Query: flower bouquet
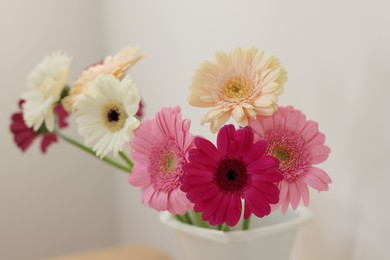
261, 164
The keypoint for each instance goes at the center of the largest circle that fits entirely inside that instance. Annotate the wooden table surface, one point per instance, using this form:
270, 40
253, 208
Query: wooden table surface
119, 253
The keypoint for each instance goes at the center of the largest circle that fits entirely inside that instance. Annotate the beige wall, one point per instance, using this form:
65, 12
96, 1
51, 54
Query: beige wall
63, 201
337, 56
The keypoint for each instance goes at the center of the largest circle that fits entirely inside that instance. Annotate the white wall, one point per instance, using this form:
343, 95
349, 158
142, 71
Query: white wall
63, 201
336, 54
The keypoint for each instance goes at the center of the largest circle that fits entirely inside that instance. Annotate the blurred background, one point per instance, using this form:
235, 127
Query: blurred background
337, 56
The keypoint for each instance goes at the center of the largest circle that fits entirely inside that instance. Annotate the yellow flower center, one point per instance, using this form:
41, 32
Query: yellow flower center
168, 162
114, 116
236, 89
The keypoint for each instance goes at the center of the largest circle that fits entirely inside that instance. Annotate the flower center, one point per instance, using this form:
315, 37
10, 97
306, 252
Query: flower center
168, 162
291, 152
236, 89
114, 116
165, 167
231, 175
281, 154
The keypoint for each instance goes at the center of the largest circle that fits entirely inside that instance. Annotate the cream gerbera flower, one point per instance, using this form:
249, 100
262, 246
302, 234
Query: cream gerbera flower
116, 65
242, 84
45, 84
105, 114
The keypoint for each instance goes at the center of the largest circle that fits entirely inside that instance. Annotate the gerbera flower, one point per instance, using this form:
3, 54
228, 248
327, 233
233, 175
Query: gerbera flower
45, 84
116, 65
105, 114
217, 179
242, 84
24, 135
160, 147
298, 145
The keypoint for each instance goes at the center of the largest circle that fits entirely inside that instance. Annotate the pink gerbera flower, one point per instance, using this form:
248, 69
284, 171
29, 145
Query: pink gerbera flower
160, 147
24, 135
298, 145
217, 178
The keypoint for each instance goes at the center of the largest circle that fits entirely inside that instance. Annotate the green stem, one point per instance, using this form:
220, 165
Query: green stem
245, 224
126, 159
188, 218
224, 227
180, 218
90, 151
185, 218
199, 220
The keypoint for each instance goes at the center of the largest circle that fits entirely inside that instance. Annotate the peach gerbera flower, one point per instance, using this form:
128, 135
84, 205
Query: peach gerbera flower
116, 65
242, 84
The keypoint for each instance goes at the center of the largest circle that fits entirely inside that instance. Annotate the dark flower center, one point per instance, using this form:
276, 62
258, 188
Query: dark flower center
113, 115
231, 175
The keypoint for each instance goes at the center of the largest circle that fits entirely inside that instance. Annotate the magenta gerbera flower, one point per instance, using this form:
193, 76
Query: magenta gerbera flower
217, 178
24, 136
160, 148
298, 145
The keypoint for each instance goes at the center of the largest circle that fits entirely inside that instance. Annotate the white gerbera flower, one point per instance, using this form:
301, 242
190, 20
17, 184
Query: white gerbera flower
105, 114
45, 84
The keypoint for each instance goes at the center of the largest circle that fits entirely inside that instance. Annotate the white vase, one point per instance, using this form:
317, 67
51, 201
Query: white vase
269, 238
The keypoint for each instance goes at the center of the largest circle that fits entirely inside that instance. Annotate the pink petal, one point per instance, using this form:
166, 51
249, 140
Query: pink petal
62, 115
285, 202
47, 140
319, 138
147, 193
212, 205
159, 201
24, 139
264, 162
257, 128
208, 148
220, 215
268, 175
232, 149
267, 123
139, 176
255, 151
291, 120
301, 121
225, 134
317, 179
177, 202
233, 213
304, 191
192, 169
258, 204
244, 139
284, 190
295, 196
310, 130
319, 153
269, 190
199, 158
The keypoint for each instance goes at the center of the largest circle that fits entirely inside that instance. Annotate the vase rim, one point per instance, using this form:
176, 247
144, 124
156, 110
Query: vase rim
297, 218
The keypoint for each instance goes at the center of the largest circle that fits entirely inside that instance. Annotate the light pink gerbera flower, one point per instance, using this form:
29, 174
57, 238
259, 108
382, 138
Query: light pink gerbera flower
217, 179
241, 84
298, 145
160, 147
116, 65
